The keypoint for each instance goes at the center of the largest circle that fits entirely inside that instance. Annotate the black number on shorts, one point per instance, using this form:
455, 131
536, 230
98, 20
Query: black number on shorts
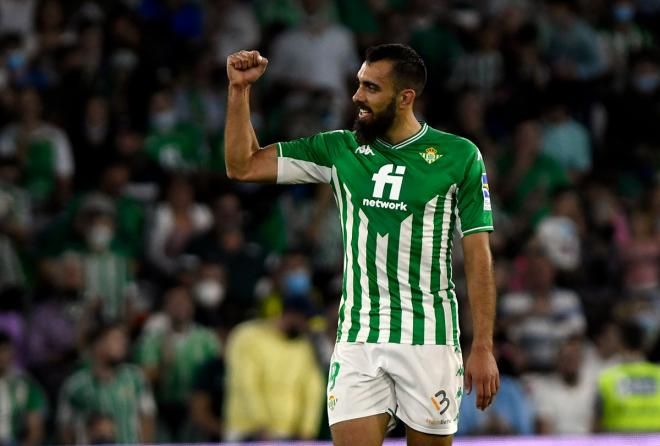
443, 401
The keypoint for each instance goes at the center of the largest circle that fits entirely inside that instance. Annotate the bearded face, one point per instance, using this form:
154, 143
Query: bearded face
370, 125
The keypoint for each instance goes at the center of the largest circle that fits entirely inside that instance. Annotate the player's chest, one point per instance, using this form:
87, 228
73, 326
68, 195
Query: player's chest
397, 180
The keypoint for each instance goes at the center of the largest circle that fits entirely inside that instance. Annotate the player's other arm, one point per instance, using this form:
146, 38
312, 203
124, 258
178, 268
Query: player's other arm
481, 370
244, 159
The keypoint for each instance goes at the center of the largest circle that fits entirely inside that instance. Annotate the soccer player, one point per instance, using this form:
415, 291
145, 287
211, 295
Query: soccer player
402, 188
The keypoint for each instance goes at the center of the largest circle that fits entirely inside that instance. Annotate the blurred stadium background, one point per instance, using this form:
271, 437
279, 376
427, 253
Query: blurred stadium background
146, 298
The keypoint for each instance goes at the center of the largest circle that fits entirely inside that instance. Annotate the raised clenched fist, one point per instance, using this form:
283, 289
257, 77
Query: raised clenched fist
245, 67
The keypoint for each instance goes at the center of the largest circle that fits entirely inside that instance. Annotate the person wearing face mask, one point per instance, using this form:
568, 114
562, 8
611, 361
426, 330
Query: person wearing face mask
109, 386
274, 384
209, 292
108, 269
174, 145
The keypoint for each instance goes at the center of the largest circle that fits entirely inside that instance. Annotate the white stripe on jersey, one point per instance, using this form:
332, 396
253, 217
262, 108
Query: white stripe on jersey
403, 273
383, 287
428, 227
350, 301
338, 199
340, 204
444, 271
363, 230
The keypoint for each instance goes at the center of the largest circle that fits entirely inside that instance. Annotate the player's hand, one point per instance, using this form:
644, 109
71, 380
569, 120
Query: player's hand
481, 374
245, 67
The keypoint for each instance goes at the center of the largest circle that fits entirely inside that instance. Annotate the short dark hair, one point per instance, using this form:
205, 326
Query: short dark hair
408, 66
632, 335
99, 331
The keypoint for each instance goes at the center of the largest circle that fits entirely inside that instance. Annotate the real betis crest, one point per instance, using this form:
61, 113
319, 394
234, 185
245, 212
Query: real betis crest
430, 155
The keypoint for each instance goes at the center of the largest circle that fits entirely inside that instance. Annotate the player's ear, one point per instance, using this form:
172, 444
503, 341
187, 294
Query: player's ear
407, 97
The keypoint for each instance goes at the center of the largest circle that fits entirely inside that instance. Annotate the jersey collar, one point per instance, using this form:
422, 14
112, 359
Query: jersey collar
407, 141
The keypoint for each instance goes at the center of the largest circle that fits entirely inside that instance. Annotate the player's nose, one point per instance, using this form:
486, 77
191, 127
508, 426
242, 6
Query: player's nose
358, 96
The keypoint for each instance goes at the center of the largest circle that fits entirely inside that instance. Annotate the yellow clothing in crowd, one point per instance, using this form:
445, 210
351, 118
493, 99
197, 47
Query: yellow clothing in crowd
274, 384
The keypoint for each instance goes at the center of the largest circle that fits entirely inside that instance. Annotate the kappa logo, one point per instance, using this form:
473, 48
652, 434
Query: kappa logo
364, 150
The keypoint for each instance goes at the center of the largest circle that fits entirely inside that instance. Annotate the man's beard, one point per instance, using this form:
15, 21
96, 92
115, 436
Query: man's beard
367, 131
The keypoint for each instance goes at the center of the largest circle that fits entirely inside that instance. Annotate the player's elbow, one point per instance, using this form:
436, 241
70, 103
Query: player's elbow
237, 174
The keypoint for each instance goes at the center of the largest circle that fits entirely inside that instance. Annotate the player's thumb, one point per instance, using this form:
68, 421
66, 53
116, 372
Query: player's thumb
263, 61
467, 381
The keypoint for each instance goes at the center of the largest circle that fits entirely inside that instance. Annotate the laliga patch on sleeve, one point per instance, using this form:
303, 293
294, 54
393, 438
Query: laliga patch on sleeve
486, 191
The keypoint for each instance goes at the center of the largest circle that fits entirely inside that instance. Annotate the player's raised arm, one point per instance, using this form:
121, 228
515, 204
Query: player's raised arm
244, 158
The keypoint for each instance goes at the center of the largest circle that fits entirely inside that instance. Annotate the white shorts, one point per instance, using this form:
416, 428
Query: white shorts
420, 384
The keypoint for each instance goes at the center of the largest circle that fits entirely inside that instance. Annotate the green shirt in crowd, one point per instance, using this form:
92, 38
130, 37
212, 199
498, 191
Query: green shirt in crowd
178, 366
125, 398
181, 148
20, 395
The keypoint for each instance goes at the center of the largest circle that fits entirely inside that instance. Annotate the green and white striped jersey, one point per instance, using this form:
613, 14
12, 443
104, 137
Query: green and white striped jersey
20, 395
399, 205
125, 399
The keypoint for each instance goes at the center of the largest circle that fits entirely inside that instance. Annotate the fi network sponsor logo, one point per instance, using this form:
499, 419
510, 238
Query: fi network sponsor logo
392, 176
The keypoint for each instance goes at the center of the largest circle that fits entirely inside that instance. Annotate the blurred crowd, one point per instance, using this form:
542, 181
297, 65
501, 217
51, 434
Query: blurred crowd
144, 297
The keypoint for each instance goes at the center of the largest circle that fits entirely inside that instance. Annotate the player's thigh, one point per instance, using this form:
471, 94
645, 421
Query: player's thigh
358, 387
366, 431
416, 438
429, 386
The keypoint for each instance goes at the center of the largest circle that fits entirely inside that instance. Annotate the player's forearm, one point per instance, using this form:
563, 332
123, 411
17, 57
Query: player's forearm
481, 292
240, 140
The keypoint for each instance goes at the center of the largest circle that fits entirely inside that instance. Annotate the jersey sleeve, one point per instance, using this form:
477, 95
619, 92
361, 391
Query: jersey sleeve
307, 160
474, 208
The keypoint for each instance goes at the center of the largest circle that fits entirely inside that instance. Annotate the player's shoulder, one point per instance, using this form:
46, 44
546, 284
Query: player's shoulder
451, 141
340, 135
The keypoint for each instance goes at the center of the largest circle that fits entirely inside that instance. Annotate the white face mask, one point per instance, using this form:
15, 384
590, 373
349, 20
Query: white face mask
209, 293
99, 237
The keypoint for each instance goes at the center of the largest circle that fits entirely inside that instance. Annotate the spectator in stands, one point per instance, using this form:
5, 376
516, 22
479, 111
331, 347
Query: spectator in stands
225, 242
570, 44
564, 139
483, 68
176, 221
541, 315
57, 323
93, 139
622, 38
110, 387
564, 400
207, 400
172, 355
175, 145
274, 386
109, 270
24, 405
629, 393
531, 176
42, 150
15, 224
297, 66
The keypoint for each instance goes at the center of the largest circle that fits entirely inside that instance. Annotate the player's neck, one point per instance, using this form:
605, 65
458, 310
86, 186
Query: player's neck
402, 129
